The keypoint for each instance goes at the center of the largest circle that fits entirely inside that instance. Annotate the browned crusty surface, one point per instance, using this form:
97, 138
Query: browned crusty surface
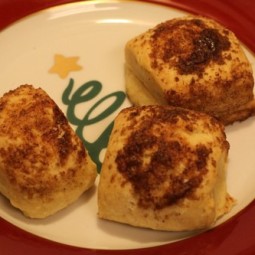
191, 62
164, 168
43, 164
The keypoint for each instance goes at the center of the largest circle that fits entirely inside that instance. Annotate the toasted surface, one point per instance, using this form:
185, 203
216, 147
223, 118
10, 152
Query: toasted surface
191, 62
165, 169
43, 164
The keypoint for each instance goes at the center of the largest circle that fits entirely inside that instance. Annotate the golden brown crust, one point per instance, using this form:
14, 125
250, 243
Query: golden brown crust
155, 182
192, 62
41, 157
165, 163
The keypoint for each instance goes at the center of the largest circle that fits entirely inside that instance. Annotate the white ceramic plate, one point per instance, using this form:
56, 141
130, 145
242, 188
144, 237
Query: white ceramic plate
90, 37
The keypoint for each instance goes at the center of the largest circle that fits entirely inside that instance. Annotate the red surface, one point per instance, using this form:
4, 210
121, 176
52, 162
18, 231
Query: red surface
235, 237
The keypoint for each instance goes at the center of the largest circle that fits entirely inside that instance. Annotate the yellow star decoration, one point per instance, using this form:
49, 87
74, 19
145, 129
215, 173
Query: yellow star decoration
64, 65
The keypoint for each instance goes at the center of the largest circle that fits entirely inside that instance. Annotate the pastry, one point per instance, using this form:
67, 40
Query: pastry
191, 62
43, 164
165, 169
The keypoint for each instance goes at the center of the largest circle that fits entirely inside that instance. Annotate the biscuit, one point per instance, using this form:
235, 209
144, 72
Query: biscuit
44, 166
165, 169
191, 62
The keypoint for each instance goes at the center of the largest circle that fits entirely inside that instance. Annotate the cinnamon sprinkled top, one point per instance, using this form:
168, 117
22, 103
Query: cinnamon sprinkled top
37, 146
159, 159
188, 45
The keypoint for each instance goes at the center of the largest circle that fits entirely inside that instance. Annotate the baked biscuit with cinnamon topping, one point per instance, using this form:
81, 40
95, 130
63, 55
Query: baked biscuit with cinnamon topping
191, 62
165, 169
43, 164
